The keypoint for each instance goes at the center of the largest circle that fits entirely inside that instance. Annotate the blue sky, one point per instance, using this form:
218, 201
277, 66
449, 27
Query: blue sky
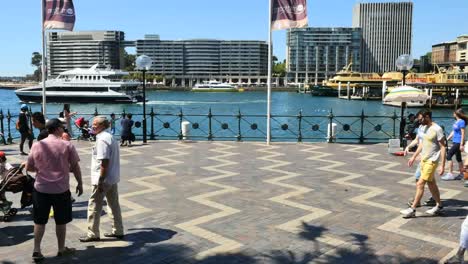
434, 21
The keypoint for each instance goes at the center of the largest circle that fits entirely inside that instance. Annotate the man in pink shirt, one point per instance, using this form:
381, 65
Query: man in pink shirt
52, 159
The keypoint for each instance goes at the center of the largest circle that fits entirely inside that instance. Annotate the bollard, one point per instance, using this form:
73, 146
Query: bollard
331, 133
185, 128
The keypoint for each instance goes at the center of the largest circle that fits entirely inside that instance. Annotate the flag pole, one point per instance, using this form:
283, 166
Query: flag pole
269, 76
43, 64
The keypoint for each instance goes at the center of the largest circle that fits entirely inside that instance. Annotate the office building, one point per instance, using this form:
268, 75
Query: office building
316, 54
453, 52
387, 30
203, 59
82, 49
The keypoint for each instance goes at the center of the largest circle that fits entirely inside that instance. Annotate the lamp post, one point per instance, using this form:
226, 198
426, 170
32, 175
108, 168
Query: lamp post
404, 63
143, 63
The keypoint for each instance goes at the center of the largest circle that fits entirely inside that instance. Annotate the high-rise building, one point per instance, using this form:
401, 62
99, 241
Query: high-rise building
316, 54
387, 30
82, 49
204, 58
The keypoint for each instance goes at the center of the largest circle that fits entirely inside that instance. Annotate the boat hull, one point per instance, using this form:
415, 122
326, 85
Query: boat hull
75, 99
323, 91
213, 90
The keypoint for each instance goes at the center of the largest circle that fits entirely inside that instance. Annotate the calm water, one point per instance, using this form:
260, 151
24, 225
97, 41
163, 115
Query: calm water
283, 103
249, 103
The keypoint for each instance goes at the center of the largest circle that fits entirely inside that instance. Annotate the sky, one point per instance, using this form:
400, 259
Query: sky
434, 21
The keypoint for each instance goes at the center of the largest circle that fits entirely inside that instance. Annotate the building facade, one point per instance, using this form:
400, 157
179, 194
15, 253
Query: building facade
203, 59
316, 54
453, 52
387, 30
82, 49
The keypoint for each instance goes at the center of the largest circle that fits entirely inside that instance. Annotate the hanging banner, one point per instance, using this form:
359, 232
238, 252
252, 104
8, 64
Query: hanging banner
58, 14
288, 14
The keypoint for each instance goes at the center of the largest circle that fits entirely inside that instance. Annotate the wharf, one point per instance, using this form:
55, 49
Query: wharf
243, 202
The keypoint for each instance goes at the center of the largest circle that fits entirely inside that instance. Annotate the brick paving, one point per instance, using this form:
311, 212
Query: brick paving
230, 202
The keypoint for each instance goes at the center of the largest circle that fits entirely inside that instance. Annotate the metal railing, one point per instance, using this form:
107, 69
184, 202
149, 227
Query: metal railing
239, 126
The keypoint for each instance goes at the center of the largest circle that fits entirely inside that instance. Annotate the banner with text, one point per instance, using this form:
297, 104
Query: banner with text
288, 14
58, 14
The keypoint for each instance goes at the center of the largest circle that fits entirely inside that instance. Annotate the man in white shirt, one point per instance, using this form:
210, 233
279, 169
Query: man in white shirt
105, 175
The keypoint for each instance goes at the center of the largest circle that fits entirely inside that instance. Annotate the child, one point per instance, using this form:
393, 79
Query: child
4, 168
112, 123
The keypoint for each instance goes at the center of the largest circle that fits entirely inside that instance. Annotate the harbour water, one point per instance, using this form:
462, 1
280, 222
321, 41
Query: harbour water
253, 103
253, 106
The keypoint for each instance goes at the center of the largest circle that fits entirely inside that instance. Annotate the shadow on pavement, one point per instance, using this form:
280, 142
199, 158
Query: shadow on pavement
14, 235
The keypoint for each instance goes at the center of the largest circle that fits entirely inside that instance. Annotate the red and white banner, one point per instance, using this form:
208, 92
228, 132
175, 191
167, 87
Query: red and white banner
288, 14
58, 14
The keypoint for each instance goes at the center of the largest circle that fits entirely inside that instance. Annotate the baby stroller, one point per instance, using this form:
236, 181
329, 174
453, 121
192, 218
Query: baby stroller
83, 125
15, 181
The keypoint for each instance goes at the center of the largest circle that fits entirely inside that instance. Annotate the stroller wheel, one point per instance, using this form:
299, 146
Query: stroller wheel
6, 218
12, 211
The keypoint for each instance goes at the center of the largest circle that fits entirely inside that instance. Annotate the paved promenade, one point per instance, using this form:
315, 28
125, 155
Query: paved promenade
229, 202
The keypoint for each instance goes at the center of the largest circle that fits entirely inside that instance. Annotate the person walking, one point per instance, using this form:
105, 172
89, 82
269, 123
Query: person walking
126, 133
432, 149
24, 129
458, 258
67, 114
105, 175
53, 159
112, 123
458, 145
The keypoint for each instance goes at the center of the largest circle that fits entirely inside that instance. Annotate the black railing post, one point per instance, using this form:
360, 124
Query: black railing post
361, 137
210, 132
239, 133
152, 123
96, 111
123, 114
181, 118
394, 117
2, 129
10, 139
330, 126
299, 134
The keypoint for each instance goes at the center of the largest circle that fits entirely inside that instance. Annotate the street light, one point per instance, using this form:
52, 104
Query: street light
143, 63
404, 63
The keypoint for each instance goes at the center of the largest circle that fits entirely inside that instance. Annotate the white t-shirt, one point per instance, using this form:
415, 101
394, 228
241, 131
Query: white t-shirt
106, 147
432, 136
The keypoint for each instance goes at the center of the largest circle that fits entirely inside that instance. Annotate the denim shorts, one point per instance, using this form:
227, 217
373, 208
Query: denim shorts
417, 173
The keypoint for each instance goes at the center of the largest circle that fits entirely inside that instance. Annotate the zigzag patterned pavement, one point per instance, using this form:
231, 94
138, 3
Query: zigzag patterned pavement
246, 202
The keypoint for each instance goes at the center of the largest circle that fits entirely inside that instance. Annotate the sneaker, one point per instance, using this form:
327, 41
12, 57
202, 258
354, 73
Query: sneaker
37, 257
459, 177
408, 212
410, 203
434, 210
465, 183
456, 259
448, 177
430, 202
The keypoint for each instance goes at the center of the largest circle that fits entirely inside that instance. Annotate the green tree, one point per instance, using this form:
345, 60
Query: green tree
36, 60
279, 69
129, 61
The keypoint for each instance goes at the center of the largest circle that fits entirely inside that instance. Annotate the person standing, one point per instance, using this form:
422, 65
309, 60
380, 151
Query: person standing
24, 129
126, 133
53, 159
67, 114
38, 122
112, 123
432, 149
105, 175
458, 146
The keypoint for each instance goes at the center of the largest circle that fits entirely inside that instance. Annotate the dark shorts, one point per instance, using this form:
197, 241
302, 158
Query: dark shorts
61, 202
455, 150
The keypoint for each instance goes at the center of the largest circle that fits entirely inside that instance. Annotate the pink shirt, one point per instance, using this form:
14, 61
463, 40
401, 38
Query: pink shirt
51, 159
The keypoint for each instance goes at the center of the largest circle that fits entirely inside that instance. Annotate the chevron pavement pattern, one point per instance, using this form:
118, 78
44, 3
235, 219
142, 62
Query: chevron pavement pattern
251, 199
223, 154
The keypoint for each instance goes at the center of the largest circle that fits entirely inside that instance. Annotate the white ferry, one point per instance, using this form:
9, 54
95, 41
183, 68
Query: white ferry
93, 85
215, 86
